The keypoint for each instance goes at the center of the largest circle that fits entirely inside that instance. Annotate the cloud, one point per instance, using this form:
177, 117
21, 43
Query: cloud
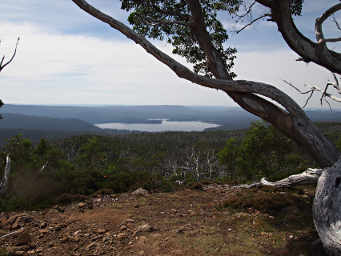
55, 68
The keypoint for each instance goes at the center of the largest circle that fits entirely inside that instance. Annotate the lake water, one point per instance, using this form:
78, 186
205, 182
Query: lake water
164, 126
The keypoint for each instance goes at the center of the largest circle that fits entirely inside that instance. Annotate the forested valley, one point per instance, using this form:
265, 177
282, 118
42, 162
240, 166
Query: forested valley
55, 170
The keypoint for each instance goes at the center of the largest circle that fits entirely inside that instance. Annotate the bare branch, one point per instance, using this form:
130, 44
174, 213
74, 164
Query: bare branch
336, 23
336, 85
253, 21
248, 10
321, 41
2, 66
311, 92
324, 92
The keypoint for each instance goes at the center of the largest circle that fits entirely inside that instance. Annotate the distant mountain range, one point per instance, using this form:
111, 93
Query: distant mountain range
234, 116
63, 120
43, 123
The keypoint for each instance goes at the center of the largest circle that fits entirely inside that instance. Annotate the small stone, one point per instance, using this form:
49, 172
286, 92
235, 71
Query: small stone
123, 227
142, 240
140, 253
90, 246
3, 220
129, 221
81, 205
16, 224
43, 231
191, 212
38, 250
100, 230
140, 192
145, 228
184, 228
178, 252
23, 238
77, 232
43, 225
12, 219
121, 236
17, 250
74, 239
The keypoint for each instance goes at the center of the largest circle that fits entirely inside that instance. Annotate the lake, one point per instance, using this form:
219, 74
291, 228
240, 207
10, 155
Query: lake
164, 126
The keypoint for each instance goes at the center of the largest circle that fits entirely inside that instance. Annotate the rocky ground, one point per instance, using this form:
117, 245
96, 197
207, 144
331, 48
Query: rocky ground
209, 220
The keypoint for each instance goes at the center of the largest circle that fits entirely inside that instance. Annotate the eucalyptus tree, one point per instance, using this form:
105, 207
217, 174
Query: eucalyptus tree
194, 29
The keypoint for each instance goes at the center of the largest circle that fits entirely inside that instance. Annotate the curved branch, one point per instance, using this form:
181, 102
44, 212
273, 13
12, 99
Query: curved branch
297, 125
2, 65
321, 41
303, 46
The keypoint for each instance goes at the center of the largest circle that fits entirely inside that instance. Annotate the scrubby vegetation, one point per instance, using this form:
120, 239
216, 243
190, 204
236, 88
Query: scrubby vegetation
61, 171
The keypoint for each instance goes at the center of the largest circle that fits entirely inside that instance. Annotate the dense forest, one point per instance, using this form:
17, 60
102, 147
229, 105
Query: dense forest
59, 169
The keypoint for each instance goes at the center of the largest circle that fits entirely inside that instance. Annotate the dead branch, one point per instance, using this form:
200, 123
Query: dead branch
12, 233
336, 23
2, 64
309, 176
319, 22
44, 166
4, 182
324, 92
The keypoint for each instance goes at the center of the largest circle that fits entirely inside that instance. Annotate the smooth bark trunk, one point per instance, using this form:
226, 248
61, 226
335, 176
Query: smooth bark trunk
327, 209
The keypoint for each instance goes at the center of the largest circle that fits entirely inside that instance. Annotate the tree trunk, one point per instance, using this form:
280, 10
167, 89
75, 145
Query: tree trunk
4, 182
327, 209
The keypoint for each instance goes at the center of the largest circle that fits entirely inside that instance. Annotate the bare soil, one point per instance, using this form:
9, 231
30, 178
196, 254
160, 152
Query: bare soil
215, 220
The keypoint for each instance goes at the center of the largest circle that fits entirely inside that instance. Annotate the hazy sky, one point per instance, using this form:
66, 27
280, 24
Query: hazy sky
66, 56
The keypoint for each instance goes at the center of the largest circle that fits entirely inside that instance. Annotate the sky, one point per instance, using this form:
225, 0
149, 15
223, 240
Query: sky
66, 57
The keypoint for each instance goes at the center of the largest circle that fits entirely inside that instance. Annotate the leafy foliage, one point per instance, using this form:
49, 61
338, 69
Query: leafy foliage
169, 20
83, 165
263, 152
296, 7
